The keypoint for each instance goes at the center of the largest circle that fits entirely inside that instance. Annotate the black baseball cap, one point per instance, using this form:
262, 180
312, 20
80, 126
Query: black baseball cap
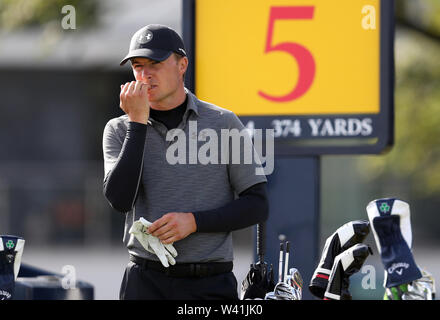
155, 42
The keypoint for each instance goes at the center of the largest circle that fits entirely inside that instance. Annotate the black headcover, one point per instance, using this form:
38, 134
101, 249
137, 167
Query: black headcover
346, 264
343, 238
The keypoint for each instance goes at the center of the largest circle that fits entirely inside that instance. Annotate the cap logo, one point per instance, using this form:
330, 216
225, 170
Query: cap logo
144, 38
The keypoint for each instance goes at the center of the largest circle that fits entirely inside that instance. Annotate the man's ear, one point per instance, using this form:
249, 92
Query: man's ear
183, 64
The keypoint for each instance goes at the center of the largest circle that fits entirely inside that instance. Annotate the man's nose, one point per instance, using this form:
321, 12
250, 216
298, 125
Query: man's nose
145, 73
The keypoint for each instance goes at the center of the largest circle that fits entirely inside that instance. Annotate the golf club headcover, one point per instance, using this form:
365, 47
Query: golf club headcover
11, 250
346, 264
420, 289
343, 238
295, 280
258, 281
282, 291
390, 221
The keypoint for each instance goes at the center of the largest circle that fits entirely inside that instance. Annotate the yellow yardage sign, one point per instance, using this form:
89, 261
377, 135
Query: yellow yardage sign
289, 57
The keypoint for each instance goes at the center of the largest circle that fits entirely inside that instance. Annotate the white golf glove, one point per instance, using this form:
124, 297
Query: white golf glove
165, 252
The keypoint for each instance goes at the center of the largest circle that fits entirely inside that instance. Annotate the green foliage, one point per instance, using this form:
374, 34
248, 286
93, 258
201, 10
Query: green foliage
19, 14
422, 14
415, 157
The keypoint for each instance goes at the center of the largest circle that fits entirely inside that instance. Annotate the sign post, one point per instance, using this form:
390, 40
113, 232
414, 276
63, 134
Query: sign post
319, 73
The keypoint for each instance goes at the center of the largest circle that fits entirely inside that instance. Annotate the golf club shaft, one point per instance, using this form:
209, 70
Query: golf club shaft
280, 264
286, 266
261, 238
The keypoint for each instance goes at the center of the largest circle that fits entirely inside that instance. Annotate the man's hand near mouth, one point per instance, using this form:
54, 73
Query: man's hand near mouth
134, 102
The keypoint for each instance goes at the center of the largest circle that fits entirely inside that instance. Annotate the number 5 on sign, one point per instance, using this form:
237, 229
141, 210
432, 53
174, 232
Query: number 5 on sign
288, 57
306, 63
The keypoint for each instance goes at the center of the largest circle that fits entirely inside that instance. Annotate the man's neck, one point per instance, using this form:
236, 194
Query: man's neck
171, 103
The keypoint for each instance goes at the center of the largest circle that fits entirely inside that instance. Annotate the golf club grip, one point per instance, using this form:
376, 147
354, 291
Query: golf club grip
261, 240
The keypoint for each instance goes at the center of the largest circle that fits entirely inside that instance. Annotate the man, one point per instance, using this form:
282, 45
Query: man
193, 206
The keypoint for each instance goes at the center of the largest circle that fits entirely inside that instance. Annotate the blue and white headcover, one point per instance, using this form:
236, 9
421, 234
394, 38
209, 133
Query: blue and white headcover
391, 225
11, 250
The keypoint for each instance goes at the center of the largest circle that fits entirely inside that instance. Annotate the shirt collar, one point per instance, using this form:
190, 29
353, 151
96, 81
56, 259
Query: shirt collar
191, 104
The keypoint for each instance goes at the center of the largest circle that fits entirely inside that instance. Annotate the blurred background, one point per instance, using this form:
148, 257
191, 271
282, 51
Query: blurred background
59, 87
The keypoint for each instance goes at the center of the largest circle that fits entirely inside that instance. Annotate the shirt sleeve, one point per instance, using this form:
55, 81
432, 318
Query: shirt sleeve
123, 163
251, 207
244, 166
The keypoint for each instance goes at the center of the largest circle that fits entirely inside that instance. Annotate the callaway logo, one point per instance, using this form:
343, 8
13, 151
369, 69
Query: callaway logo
10, 244
144, 38
400, 266
384, 208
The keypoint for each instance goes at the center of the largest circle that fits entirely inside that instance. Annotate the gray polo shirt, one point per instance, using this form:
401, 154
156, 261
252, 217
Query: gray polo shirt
187, 183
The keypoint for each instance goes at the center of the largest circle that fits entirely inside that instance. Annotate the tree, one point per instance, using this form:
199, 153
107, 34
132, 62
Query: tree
415, 157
